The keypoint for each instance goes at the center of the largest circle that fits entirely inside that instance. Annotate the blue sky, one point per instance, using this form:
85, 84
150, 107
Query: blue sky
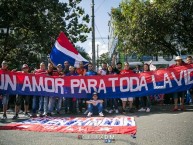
102, 7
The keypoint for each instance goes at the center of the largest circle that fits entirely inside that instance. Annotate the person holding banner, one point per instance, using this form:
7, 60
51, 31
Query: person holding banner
104, 71
145, 101
66, 67
41, 71
5, 97
81, 72
189, 60
71, 102
19, 98
118, 66
95, 103
112, 102
176, 95
52, 99
127, 70
90, 72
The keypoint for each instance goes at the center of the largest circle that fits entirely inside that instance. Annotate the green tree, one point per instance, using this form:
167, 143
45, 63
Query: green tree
84, 54
104, 58
34, 24
151, 28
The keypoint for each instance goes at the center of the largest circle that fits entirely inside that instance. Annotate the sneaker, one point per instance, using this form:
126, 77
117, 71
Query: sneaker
131, 110
101, 114
141, 110
4, 116
116, 111
20, 112
148, 110
10, 110
89, 114
86, 112
15, 117
27, 114
110, 111
44, 114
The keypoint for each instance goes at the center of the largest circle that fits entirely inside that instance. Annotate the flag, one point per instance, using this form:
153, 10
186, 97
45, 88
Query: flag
63, 50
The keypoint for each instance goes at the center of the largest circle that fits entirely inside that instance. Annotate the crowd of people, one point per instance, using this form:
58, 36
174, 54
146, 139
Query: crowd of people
45, 105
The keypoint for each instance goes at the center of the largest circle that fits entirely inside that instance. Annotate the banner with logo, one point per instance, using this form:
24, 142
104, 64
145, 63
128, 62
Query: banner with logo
109, 86
96, 125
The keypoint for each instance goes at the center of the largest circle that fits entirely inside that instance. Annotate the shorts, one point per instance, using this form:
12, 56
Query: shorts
5, 99
179, 94
19, 100
127, 99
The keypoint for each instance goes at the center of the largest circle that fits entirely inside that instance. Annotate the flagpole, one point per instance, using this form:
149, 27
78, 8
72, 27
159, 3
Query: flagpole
93, 36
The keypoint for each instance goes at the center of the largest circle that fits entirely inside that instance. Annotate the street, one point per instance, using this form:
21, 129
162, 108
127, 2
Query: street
159, 127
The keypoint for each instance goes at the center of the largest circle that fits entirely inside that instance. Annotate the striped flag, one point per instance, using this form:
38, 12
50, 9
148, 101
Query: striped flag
63, 50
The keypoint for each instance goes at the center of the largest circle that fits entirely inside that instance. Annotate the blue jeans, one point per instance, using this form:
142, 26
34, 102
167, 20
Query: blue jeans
35, 101
5, 99
46, 98
99, 106
52, 101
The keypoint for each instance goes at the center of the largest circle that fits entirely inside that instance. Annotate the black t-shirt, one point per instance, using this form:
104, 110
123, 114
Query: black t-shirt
117, 71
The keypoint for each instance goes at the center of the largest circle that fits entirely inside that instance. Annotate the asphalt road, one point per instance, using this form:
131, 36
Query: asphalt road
159, 127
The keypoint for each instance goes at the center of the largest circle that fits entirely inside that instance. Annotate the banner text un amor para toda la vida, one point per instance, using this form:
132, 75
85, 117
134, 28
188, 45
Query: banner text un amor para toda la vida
108, 86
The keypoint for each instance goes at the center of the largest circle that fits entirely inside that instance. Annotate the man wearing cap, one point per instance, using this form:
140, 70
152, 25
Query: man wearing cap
25, 70
176, 95
189, 60
95, 103
4, 67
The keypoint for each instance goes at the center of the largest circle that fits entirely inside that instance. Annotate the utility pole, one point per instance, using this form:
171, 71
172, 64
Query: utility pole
97, 57
93, 36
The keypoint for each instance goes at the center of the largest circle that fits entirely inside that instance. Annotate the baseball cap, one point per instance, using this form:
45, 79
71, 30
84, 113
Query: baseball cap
25, 66
59, 65
178, 58
95, 93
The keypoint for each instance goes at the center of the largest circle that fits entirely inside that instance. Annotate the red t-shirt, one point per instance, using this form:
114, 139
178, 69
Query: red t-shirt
81, 71
174, 65
41, 72
4, 69
126, 71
